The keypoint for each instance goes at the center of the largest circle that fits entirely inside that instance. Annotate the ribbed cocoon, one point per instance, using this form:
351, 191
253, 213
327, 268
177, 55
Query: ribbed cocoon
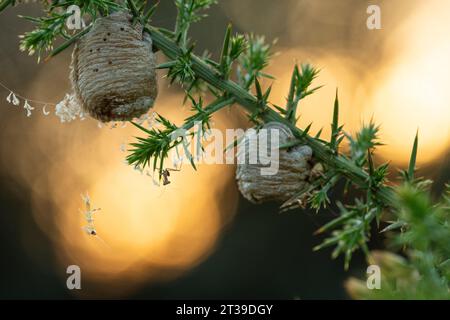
294, 168
113, 70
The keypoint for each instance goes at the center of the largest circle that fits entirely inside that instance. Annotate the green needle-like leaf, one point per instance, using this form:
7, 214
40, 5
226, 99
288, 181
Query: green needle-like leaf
413, 158
68, 43
133, 8
335, 125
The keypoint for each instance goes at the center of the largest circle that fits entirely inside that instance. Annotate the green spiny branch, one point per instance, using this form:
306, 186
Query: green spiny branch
235, 79
159, 142
6, 3
250, 102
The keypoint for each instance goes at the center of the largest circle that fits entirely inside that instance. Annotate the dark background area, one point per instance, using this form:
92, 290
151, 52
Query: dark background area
262, 254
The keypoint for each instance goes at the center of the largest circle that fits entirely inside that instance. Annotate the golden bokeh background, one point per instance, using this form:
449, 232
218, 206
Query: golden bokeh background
398, 76
146, 232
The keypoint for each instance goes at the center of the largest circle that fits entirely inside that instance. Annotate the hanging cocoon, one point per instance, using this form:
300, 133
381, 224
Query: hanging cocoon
292, 175
113, 69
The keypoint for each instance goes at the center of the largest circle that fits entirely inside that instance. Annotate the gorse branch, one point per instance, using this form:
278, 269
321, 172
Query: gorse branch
52, 26
258, 108
247, 56
6, 3
299, 89
425, 274
189, 11
213, 77
159, 142
244, 59
41, 39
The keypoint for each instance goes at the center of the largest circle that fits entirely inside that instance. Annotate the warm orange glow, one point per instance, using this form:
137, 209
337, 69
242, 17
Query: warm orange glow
147, 232
317, 108
403, 89
409, 94
412, 92
151, 233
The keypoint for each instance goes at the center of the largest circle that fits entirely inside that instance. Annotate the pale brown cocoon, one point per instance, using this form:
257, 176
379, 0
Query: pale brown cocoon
294, 170
113, 69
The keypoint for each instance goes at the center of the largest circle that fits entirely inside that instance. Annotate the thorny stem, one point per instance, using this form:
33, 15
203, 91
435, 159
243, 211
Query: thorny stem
423, 225
5, 4
335, 161
210, 109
